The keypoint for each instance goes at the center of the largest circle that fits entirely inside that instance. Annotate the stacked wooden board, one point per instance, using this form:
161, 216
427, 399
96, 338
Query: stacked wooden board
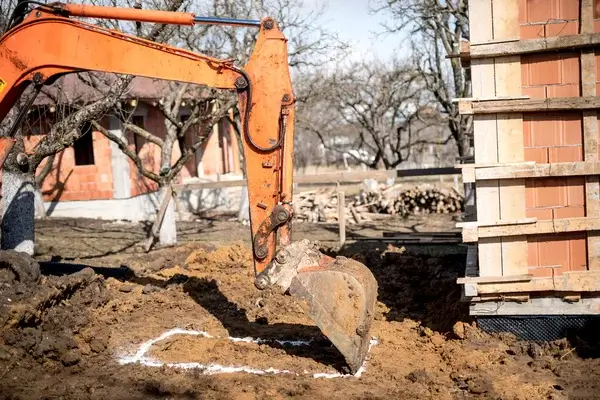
534, 237
321, 205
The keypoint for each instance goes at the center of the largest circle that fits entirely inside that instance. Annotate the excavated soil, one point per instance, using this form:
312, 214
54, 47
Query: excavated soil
78, 332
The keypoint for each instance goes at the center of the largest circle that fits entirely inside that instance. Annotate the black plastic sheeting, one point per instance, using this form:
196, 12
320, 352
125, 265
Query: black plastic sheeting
538, 328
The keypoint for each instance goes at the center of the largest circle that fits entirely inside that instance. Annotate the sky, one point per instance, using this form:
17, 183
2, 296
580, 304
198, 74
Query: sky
353, 22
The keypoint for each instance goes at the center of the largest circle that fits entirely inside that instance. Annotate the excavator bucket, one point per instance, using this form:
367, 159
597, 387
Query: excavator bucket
338, 294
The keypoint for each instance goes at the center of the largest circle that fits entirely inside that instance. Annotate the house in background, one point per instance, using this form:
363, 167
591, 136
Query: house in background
95, 179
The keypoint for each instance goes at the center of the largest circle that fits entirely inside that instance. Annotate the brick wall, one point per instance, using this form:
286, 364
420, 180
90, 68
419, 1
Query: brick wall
70, 182
553, 137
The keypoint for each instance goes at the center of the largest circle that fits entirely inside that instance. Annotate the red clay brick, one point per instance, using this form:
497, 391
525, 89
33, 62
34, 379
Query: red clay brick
565, 154
569, 90
527, 133
530, 196
541, 10
568, 9
534, 92
539, 213
532, 31
578, 252
541, 69
568, 212
572, 131
550, 192
537, 154
571, 69
545, 132
562, 29
575, 191
597, 62
522, 12
553, 251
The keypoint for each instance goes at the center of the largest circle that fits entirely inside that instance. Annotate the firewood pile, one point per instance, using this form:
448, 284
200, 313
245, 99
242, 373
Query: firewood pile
322, 205
417, 200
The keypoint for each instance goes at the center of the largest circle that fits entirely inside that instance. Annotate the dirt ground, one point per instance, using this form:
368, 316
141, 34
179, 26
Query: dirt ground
78, 333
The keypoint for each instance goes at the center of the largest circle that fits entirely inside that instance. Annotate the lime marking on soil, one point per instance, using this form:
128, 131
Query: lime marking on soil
209, 369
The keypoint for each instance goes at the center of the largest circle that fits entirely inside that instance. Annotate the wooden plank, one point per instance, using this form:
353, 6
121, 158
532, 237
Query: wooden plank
512, 192
480, 28
580, 168
475, 224
209, 185
494, 98
492, 165
587, 17
529, 105
410, 240
559, 225
581, 281
536, 306
342, 216
334, 177
485, 136
507, 82
451, 234
511, 47
495, 279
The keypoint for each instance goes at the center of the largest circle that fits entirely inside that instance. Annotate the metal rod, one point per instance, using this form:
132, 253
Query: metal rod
226, 21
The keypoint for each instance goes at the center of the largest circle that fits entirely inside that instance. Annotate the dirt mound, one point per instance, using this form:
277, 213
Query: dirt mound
227, 256
74, 336
48, 321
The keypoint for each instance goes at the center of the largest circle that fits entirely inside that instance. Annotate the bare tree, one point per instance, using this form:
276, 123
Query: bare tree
374, 112
310, 46
434, 29
18, 177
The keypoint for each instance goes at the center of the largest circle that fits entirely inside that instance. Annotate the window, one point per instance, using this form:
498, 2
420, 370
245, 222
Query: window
138, 141
84, 146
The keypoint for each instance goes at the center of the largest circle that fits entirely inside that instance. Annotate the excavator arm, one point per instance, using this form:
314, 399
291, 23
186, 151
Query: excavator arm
339, 294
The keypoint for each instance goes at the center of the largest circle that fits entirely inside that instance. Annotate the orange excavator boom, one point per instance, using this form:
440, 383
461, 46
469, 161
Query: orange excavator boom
48, 43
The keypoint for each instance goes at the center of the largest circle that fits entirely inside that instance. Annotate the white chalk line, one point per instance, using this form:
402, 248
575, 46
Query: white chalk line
210, 369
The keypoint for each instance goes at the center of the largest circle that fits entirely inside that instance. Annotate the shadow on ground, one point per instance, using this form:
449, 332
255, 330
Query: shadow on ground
415, 281
206, 293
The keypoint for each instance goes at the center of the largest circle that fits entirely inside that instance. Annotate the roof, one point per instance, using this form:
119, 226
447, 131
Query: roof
72, 88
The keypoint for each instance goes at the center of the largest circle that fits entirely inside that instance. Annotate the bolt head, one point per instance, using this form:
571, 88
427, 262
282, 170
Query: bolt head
286, 98
282, 216
37, 78
22, 159
282, 256
241, 83
261, 282
260, 252
268, 24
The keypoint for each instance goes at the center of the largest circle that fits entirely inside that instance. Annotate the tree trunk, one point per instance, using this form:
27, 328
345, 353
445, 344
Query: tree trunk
18, 211
168, 228
40, 210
